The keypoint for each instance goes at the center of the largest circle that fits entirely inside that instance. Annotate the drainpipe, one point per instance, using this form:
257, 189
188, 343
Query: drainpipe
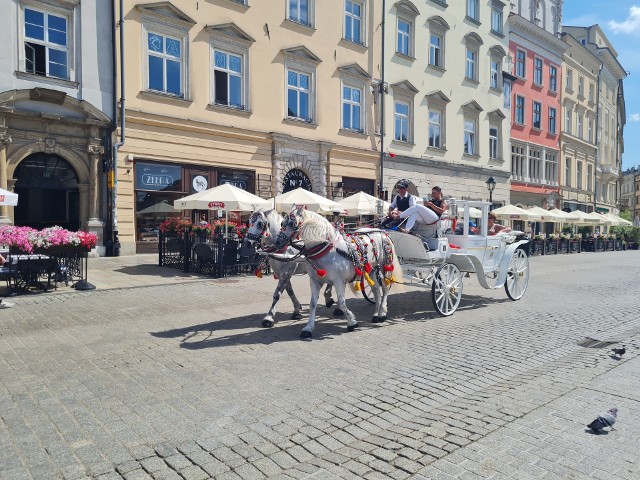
382, 93
595, 173
117, 145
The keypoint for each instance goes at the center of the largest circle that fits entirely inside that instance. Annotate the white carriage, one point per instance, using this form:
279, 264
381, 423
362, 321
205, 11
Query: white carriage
436, 257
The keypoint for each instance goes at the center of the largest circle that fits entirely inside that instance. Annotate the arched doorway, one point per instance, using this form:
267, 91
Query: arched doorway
49, 194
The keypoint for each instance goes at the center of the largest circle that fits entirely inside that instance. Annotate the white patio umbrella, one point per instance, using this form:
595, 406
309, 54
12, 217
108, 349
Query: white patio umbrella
617, 220
511, 212
362, 203
314, 202
8, 198
162, 207
224, 197
560, 214
601, 219
578, 217
545, 215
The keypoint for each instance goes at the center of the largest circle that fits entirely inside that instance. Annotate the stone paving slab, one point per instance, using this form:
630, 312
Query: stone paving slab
180, 381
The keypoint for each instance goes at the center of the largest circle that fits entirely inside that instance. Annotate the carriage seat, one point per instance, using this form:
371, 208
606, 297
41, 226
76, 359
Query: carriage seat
434, 230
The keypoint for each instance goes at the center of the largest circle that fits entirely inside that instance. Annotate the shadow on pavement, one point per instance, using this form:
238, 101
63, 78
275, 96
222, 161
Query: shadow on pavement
158, 271
402, 307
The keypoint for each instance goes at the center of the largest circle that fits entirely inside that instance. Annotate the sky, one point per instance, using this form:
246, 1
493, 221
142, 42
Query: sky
620, 20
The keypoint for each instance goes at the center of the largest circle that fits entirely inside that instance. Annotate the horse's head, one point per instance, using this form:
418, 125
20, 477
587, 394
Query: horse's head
258, 226
290, 226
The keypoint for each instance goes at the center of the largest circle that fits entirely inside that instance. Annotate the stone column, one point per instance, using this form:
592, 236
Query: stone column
325, 147
95, 224
84, 204
5, 140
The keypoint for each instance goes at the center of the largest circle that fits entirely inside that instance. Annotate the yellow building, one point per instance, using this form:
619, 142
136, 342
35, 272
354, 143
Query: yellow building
240, 92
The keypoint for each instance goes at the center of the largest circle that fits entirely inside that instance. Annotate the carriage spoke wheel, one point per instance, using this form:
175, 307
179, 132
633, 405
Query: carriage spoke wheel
446, 289
517, 275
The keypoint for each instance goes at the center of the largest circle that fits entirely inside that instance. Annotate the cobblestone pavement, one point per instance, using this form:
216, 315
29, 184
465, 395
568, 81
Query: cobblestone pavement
180, 381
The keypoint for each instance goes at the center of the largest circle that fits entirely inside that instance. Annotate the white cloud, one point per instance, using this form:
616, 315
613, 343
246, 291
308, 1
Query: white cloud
634, 117
630, 25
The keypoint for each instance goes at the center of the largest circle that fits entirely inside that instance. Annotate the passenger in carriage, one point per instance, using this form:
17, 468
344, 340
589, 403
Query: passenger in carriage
493, 227
401, 202
428, 213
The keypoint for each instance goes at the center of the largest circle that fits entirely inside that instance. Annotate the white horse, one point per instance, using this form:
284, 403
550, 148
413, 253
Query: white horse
339, 260
263, 229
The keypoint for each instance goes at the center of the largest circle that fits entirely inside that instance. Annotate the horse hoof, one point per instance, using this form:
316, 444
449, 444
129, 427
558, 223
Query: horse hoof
296, 316
338, 313
330, 302
382, 318
375, 319
351, 328
305, 334
267, 323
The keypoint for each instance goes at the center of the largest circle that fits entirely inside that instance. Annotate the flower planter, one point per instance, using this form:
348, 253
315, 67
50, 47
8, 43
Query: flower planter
563, 245
601, 245
551, 247
536, 247
574, 246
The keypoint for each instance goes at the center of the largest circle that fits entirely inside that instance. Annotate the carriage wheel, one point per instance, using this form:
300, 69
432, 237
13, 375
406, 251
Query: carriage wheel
446, 289
368, 294
517, 275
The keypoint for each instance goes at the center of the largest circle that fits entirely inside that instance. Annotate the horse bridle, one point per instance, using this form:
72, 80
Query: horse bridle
253, 236
295, 226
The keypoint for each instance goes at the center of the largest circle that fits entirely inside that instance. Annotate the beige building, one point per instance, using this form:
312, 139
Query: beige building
578, 136
447, 114
611, 115
266, 98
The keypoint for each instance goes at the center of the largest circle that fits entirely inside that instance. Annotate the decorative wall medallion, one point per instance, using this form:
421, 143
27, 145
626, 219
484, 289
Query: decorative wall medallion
296, 178
200, 183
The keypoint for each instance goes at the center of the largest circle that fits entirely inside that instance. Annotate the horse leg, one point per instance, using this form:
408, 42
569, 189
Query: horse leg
296, 315
377, 318
352, 324
307, 331
328, 300
383, 303
268, 321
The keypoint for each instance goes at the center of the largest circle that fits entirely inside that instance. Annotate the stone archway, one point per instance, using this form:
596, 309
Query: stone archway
49, 191
413, 190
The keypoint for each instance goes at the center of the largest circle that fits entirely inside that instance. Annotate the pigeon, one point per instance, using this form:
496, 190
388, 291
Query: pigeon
605, 419
619, 351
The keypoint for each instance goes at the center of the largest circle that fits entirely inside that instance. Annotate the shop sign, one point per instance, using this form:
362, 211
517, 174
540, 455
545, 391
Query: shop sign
158, 177
216, 205
296, 178
199, 183
602, 210
238, 180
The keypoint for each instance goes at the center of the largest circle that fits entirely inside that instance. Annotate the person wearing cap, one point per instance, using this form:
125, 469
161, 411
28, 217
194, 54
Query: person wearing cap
401, 202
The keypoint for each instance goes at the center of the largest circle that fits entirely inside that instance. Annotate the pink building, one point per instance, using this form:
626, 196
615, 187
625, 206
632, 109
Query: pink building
536, 56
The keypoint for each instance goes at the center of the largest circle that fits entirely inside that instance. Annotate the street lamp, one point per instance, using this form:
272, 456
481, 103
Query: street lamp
491, 185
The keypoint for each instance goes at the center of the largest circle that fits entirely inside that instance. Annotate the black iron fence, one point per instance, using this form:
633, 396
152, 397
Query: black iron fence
217, 256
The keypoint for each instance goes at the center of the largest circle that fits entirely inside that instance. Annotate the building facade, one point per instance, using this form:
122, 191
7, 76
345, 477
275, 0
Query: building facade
536, 54
579, 137
628, 190
240, 92
56, 110
611, 115
446, 122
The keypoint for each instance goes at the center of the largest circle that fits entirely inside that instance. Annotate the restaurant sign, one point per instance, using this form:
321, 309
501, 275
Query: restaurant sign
151, 176
216, 205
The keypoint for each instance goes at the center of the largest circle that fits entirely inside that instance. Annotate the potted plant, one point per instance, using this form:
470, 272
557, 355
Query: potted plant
175, 226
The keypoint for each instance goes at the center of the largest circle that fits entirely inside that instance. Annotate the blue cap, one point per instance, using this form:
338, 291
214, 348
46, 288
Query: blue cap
472, 224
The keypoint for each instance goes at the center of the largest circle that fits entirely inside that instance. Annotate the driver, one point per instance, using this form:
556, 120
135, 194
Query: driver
401, 202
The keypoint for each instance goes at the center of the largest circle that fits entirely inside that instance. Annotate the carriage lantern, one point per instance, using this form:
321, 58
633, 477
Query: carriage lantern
491, 185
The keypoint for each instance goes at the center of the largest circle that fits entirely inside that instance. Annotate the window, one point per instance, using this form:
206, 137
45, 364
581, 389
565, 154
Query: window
537, 71
165, 61
551, 168
471, 65
299, 96
569, 85
496, 18
494, 145
353, 24
579, 124
567, 119
46, 44
472, 9
537, 115
589, 183
352, 108
507, 94
518, 164
567, 171
435, 50
228, 83
495, 74
581, 86
535, 165
404, 37
521, 58
552, 120
590, 129
519, 110
435, 128
470, 137
591, 92
553, 78
401, 121
299, 12
579, 175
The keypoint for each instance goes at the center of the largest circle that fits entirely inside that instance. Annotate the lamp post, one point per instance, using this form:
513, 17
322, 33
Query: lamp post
491, 185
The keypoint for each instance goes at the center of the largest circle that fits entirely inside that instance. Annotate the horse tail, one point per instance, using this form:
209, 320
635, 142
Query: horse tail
397, 268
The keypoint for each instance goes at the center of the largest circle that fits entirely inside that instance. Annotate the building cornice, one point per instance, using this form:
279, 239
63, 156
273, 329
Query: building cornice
526, 29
